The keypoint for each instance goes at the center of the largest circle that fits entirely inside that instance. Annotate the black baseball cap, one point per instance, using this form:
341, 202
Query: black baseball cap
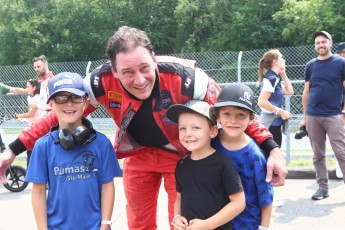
236, 94
322, 32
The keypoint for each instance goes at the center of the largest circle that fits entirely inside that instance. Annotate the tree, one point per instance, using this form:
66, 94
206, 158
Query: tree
302, 18
226, 25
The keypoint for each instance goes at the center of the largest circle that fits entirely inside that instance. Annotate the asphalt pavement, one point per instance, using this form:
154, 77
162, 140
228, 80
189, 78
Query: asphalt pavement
297, 210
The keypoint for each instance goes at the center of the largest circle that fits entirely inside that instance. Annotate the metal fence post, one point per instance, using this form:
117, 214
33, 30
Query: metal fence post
287, 148
87, 70
239, 59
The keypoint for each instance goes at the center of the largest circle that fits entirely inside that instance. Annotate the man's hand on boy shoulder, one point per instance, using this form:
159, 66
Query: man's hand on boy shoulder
276, 168
6, 160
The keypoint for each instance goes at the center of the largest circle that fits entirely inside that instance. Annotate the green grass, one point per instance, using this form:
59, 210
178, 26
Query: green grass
20, 163
308, 163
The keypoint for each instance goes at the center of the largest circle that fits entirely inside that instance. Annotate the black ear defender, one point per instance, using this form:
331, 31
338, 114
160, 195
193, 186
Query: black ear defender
80, 135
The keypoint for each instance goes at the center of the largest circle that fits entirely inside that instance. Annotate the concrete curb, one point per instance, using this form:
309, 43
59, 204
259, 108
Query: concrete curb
309, 174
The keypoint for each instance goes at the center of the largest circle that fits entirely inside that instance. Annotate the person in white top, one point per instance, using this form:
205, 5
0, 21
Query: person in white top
33, 113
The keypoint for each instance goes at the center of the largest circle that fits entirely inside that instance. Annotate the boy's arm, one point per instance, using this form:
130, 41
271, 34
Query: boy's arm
305, 98
17, 90
32, 109
226, 214
179, 222
28, 137
266, 213
276, 167
107, 203
262, 136
39, 205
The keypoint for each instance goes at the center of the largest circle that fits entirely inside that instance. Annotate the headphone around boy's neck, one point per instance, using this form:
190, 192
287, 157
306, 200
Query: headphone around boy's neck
79, 136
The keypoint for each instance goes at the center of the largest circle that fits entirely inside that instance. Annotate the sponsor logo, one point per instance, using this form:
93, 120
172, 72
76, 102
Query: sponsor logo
96, 81
166, 99
114, 95
113, 105
246, 98
67, 81
80, 168
167, 121
188, 82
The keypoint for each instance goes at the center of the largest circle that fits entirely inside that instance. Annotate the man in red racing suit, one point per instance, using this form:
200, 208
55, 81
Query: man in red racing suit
136, 94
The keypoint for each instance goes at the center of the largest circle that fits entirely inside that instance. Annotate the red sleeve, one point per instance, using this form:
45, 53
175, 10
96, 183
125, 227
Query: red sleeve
262, 137
258, 132
40, 128
213, 91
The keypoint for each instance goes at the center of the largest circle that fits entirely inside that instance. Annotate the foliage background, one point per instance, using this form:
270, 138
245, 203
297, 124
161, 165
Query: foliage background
77, 30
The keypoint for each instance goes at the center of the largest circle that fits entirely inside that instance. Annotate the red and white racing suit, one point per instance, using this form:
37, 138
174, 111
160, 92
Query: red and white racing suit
44, 81
145, 166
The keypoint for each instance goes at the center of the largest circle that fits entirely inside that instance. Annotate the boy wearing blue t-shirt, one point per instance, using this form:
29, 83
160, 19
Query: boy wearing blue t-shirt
234, 110
78, 163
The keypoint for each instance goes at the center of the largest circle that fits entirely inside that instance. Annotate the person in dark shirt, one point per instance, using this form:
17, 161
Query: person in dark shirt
209, 189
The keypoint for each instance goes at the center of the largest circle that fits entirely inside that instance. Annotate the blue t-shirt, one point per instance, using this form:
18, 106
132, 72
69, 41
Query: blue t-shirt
326, 86
250, 163
75, 179
271, 82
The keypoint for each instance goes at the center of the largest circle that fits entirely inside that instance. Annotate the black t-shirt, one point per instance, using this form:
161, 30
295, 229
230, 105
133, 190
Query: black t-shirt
205, 185
143, 128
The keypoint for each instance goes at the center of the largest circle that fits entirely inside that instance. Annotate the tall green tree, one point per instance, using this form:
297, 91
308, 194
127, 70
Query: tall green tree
62, 30
300, 19
226, 24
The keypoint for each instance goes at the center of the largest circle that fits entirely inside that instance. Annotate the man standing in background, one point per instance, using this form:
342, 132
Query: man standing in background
44, 75
322, 111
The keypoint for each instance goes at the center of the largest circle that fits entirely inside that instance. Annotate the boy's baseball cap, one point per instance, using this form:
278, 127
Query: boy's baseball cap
236, 94
196, 106
322, 32
66, 82
341, 47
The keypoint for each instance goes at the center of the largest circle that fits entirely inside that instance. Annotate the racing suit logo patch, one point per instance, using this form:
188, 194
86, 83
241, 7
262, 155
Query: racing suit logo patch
114, 95
166, 99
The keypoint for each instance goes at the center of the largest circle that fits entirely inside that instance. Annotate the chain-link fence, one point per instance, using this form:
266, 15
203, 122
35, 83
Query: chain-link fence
224, 67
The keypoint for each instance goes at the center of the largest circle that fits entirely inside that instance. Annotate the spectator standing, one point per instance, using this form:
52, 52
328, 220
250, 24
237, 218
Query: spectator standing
44, 76
341, 53
136, 88
234, 110
274, 84
78, 163
322, 111
341, 49
33, 113
206, 180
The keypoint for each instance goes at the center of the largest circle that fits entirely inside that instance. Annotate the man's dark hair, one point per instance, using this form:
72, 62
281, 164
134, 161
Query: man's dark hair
41, 58
124, 40
34, 82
